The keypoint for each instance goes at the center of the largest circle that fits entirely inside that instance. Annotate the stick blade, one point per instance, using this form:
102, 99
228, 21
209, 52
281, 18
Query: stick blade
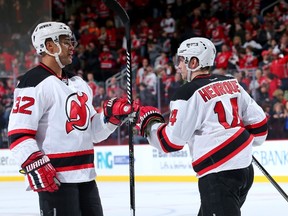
118, 9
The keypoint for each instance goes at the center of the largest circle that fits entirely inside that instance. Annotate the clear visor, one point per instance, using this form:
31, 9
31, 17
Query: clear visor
69, 40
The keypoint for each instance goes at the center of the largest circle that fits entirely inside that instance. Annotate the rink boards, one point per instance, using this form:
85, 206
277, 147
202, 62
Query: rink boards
112, 164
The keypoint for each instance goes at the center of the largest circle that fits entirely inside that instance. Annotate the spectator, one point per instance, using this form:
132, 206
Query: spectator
8, 58
107, 63
2, 89
223, 57
278, 97
277, 121
150, 80
91, 60
161, 60
263, 95
80, 73
255, 84
114, 88
218, 33
102, 39
236, 30
121, 58
249, 41
239, 77
99, 99
141, 70
266, 58
145, 96
274, 84
91, 82
143, 36
278, 66
2, 124
168, 23
111, 34
248, 59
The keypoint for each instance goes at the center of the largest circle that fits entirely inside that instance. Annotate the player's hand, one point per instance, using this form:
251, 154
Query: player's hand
146, 116
40, 173
116, 110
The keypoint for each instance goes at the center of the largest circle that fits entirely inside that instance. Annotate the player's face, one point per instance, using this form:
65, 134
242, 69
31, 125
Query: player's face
67, 45
181, 67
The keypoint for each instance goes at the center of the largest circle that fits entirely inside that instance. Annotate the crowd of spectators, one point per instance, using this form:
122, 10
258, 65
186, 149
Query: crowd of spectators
251, 44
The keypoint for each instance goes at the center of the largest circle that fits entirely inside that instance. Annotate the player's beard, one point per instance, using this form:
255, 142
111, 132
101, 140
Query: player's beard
183, 74
66, 60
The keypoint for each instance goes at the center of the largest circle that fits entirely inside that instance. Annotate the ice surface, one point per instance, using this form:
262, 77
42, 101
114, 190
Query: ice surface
152, 199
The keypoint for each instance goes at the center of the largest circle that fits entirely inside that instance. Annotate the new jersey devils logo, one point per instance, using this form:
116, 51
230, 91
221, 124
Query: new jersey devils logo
77, 112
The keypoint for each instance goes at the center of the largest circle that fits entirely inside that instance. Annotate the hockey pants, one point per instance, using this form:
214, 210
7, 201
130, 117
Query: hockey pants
72, 199
223, 193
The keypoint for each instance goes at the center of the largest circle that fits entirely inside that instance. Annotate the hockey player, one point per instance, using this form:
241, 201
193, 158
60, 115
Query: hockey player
53, 126
219, 122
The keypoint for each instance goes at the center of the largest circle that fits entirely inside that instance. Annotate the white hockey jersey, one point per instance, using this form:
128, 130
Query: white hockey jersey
57, 118
219, 121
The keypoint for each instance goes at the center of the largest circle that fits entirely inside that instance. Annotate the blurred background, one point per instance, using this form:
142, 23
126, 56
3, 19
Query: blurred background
251, 38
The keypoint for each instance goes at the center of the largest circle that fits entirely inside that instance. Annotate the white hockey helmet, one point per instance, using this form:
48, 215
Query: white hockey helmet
52, 30
201, 48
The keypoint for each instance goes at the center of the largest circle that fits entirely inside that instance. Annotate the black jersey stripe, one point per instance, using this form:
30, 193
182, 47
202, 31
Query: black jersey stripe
258, 129
188, 89
33, 77
166, 144
219, 156
15, 137
76, 160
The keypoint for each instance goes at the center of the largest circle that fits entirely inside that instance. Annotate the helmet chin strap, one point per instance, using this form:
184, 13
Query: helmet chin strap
58, 60
56, 55
190, 71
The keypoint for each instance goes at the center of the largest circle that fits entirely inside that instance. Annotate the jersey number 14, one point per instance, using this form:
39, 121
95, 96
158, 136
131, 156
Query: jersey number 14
220, 111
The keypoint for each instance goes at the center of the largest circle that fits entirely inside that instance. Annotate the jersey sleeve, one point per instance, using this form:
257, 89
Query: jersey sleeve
173, 135
100, 129
254, 118
23, 122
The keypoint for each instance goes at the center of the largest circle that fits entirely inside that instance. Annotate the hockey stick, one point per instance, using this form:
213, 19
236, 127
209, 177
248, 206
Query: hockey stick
270, 178
120, 11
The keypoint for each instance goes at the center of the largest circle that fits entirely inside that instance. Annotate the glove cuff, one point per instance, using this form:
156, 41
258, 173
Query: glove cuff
150, 119
34, 161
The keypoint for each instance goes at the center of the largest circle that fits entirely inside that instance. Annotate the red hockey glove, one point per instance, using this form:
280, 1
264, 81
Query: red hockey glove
116, 110
40, 172
146, 116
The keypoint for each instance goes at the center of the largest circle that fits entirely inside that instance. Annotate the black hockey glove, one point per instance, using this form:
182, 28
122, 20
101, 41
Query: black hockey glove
146, 116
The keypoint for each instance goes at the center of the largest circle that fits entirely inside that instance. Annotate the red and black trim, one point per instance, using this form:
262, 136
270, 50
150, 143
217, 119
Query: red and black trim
259, 129
166, 144
72, 161
15, 137
223, 152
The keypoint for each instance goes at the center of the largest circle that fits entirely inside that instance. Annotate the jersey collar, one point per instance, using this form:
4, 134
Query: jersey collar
52, 72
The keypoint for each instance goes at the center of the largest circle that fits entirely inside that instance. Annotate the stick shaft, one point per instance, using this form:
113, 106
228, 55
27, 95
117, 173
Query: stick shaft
270, 178
120, 11
130, 123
